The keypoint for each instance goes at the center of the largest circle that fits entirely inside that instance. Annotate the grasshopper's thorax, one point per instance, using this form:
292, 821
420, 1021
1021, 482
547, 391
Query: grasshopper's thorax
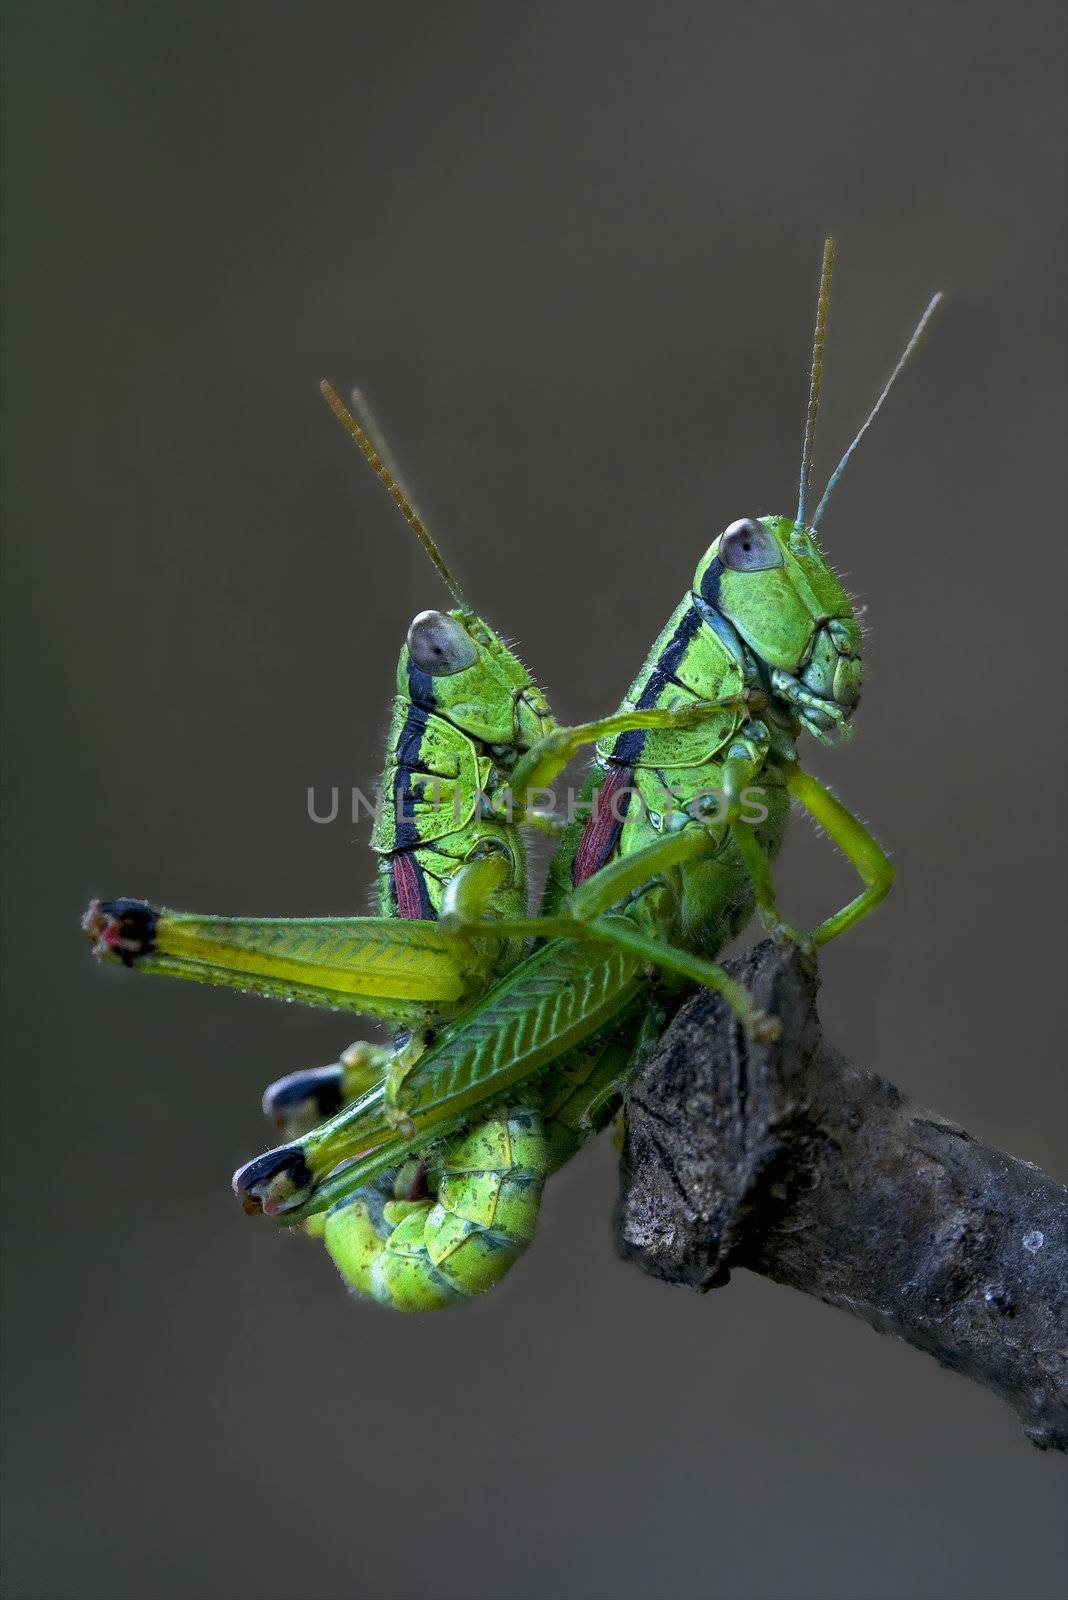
690, 662
465, 709
651, 776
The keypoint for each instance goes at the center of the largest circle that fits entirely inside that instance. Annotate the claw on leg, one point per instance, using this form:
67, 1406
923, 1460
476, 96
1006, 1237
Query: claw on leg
786, 933
762, 1026
298, 1102
123, 928
275, 1182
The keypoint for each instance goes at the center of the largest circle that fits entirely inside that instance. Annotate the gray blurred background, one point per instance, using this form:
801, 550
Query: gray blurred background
571, 253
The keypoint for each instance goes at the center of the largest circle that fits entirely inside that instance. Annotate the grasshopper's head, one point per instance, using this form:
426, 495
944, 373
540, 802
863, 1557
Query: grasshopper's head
454, 664
769, 579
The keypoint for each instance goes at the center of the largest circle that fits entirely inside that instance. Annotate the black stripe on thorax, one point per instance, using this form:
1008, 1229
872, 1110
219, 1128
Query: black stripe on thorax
711, 581
406, 753
628, 747
420, 688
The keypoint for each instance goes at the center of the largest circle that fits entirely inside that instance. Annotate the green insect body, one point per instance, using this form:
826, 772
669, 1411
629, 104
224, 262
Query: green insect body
654, 879
528, 1058
424, 1236
418, 1238
664, 878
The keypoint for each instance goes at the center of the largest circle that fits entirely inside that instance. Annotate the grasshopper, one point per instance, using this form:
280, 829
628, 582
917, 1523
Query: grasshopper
652, 884
469, 733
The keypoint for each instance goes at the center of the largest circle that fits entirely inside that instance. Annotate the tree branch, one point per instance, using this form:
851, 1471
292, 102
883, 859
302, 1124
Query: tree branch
791, 1161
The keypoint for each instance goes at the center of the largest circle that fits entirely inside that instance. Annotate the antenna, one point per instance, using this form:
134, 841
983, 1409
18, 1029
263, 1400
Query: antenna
874, 412
364, 414
393, 489
816, 378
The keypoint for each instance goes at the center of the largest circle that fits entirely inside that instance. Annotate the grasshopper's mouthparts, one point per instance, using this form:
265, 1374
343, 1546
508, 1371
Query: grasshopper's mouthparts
834, 670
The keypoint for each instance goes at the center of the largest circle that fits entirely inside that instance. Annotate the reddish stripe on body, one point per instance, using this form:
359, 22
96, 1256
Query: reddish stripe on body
413, 901
601, 834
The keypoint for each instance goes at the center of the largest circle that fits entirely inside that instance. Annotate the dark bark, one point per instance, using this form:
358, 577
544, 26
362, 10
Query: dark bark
789, 1160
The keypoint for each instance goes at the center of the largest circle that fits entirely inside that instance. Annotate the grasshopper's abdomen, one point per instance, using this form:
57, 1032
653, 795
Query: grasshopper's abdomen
429, 1253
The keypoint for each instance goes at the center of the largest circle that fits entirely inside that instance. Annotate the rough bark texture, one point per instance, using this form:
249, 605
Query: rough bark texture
791, 1161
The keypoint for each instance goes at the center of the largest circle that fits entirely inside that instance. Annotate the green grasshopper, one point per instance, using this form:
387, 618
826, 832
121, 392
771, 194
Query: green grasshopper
466, 717
657, 878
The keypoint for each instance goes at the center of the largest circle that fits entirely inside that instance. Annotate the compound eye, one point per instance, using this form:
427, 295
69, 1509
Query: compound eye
747, 547
437, 644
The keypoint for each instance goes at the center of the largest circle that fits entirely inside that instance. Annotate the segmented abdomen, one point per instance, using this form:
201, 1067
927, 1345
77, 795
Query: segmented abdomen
427, 1254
